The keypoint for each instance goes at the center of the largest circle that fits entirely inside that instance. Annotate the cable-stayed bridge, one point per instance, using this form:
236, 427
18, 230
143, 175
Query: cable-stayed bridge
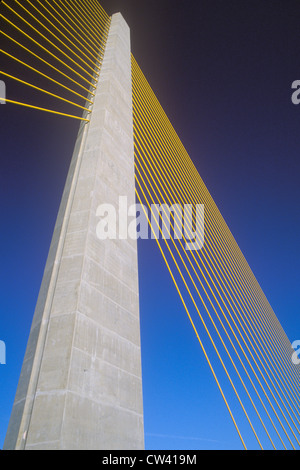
81, 381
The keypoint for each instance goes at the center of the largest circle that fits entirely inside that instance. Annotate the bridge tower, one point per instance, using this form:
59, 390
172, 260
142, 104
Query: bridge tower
81, 385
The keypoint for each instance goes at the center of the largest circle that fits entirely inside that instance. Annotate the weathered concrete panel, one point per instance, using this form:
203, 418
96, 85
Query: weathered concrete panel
81, 384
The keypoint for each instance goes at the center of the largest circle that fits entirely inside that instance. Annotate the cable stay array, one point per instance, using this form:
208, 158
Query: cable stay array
59, 48
229, 313
53, 52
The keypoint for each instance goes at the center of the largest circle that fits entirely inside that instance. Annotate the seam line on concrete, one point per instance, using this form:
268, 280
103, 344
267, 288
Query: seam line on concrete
108, 329
112, 300
56, 268
104, 295
86, 256
99, 402
85, 243
32, 446
108, 363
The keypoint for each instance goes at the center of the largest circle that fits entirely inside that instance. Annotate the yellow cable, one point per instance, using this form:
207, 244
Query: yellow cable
43, 109
97, 12
280, 396
50, 65
65, 8
37, 71
89, 46
199, 280
80, 14
58, 39
207, 311
100, 10
82, 46
195, 330
56, 47
43, 91
242, 350
46, 50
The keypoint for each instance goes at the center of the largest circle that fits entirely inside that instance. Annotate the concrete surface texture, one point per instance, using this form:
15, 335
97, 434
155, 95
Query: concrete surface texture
81, 384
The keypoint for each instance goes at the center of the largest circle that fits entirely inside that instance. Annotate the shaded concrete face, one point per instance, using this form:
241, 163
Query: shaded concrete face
81, 385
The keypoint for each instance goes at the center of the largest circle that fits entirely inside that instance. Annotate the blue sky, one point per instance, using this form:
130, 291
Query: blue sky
223, 73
